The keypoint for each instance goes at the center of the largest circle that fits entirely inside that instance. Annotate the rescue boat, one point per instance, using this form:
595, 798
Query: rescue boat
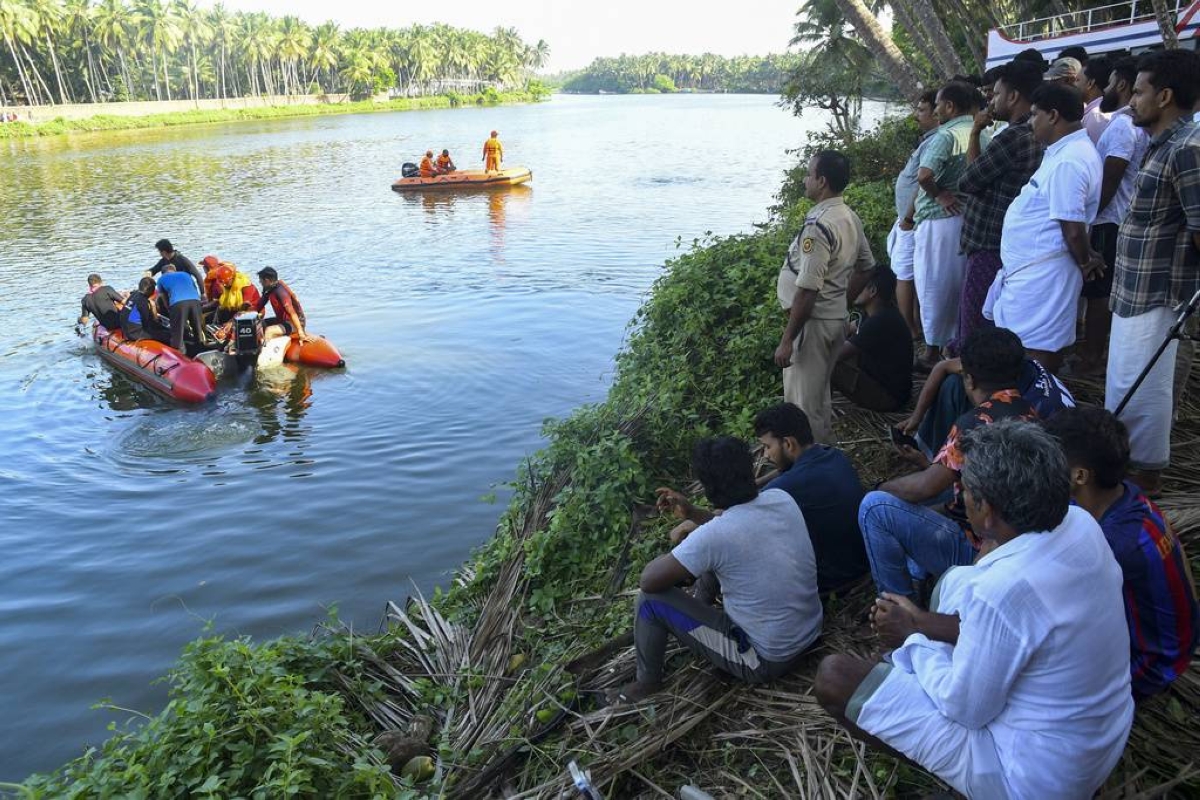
465, 179
316, 352
156, 365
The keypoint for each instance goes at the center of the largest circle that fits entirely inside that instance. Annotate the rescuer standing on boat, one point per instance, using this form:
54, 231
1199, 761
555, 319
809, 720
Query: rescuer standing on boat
493, 153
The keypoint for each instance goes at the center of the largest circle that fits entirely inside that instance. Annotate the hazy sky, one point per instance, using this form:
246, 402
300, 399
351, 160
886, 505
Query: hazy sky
577, 32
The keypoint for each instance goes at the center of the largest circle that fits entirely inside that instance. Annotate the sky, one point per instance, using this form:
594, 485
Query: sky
576, 32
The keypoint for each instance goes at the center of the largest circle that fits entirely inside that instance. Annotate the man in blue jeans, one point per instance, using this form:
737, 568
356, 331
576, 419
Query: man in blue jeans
897, 520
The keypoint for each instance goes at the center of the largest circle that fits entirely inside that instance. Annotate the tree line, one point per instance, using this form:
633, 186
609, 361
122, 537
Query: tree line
662, 72
63, 51
849, 53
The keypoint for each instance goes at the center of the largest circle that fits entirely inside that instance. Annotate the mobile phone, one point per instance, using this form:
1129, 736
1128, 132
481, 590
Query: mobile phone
902, 439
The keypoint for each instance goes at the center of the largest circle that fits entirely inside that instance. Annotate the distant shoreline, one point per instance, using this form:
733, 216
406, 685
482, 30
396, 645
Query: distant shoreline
101, 121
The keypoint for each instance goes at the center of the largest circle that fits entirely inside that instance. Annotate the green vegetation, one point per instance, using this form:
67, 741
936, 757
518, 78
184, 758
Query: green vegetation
104, 122
660, 72
244, 720
64, 51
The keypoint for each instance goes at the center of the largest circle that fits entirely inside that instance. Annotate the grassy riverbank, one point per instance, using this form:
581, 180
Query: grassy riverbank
504, 662
107, 122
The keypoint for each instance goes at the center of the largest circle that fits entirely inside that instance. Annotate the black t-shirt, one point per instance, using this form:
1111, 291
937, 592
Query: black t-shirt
825, 485
886, 352
182, 264
102, 304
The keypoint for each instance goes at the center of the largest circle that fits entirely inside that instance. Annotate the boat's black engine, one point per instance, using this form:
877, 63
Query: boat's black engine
410, 170
247, 339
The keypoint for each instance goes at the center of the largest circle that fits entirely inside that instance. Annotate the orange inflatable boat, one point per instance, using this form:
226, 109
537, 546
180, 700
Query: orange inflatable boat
465, 179
161, 367
316, 352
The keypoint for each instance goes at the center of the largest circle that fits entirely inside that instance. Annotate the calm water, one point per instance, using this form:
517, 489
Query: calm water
466, 320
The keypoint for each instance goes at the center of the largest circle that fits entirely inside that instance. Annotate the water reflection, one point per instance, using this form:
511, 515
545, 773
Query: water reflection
281, 396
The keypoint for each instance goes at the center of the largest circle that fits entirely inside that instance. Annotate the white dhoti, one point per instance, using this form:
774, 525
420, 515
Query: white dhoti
900, 247
1037, 301
939, 268
1149, 413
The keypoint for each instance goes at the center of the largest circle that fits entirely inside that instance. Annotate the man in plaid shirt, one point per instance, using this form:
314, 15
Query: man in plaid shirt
992, 179
1157, 263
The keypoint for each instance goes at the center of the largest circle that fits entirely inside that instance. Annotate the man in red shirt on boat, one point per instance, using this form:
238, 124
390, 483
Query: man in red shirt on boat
493, 153
289, 314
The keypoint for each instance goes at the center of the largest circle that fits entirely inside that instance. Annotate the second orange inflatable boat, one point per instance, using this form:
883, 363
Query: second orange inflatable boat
466, 179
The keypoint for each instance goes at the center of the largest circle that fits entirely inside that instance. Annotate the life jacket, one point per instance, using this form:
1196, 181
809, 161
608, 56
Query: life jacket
231, 298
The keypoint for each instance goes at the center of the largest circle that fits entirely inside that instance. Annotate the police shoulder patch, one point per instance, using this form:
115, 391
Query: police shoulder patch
807, 245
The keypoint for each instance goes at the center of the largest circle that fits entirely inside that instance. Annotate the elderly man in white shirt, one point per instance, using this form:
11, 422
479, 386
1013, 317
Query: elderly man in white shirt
1017, 685
1044, 248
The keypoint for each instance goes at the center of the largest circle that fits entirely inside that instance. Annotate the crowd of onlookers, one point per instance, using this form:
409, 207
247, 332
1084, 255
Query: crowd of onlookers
1030, 591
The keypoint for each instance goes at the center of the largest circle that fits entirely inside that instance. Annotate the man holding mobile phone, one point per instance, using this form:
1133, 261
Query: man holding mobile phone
898, 520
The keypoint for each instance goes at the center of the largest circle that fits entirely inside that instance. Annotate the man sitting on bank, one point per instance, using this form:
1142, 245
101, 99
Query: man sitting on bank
824, 485
944, 399
758, 549
1017, 685
874, 366
1159, 593
102, 302
897, 525
139, 318
289, 314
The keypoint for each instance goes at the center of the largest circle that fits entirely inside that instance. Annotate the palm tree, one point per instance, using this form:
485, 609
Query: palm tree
291, 47
895, 63
18, 26
79, 29
194, 29
222, 28
50, 16
1166, 23
112, 23
161, 29
323, 56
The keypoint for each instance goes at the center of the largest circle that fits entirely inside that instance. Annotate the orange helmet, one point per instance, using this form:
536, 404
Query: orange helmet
223, 275
210, 262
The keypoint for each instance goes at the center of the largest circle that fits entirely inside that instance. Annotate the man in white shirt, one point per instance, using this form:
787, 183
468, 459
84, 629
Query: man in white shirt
901, 241
759, 552
1044, 248
1091, 83
1121, 147
1017, 684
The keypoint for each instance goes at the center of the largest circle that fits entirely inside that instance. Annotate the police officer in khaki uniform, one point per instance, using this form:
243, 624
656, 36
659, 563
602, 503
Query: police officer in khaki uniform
829, 260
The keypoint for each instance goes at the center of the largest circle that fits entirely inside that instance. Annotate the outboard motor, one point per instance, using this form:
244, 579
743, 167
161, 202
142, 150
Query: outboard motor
247, 339
410, 170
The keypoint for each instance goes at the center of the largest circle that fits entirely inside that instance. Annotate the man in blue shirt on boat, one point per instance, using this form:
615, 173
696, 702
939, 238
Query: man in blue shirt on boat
183, 297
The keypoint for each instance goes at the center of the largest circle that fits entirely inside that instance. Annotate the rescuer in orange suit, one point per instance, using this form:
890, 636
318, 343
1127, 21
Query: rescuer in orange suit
211, 264
427, 169
493, 152
444, 165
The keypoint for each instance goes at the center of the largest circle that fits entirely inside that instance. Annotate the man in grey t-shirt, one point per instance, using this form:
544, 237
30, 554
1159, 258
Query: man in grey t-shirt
758, 548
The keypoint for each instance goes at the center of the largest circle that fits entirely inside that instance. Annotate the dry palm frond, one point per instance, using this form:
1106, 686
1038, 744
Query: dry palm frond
730, 739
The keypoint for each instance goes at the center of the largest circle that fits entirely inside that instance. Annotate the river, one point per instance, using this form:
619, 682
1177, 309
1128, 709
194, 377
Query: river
128, 522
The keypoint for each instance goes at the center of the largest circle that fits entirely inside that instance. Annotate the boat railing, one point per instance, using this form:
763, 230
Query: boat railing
1086, 20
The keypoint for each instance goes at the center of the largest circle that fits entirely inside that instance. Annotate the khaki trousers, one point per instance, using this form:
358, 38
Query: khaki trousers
806, 381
